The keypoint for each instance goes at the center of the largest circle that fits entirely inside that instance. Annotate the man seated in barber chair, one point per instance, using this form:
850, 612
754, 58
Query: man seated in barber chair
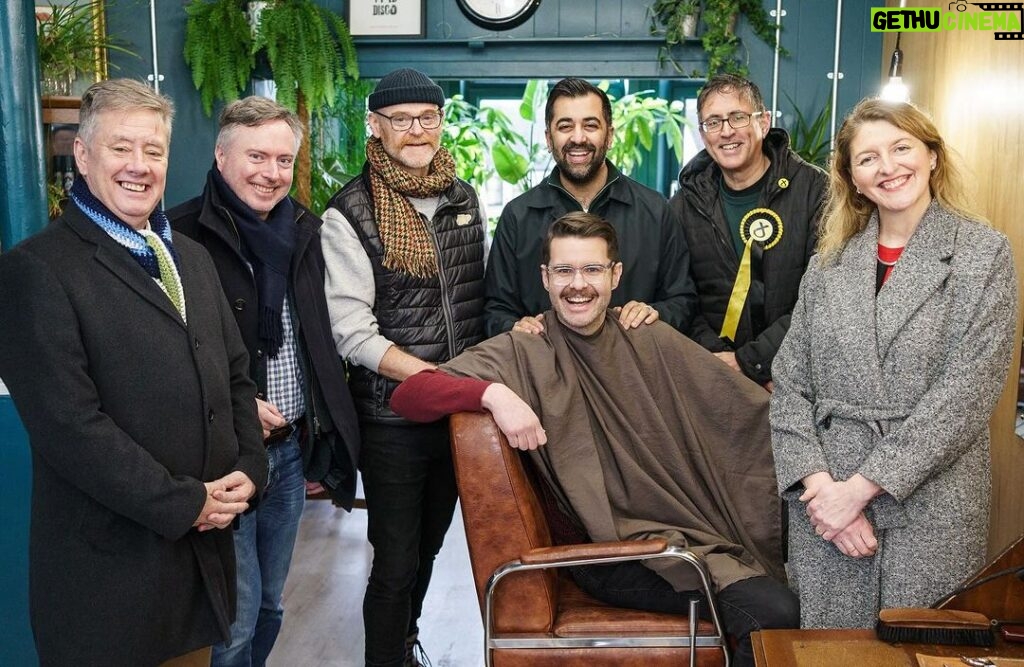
650, 436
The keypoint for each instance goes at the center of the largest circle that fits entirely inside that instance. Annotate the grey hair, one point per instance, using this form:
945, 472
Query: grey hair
121, 95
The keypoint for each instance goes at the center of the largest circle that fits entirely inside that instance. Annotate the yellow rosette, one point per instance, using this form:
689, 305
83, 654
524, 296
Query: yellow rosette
760, 225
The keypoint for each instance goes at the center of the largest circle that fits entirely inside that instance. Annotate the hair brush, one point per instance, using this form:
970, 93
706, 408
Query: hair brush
913, 625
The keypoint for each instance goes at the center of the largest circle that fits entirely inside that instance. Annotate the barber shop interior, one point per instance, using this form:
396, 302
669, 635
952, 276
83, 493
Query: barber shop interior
511, 333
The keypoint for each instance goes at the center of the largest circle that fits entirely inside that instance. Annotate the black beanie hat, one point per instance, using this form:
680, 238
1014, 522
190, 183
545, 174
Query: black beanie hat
404, 86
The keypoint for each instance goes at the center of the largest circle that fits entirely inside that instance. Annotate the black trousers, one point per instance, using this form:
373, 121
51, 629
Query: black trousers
410, 492
744, 607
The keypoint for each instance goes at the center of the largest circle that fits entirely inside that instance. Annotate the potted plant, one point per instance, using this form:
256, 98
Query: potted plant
308, 49
719, 39
809, 136
70, 43
676, 20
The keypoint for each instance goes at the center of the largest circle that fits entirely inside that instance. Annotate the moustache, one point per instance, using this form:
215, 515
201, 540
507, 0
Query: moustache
570, 291
587, 146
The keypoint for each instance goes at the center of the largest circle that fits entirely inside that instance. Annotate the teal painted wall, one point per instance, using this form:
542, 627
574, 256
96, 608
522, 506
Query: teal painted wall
16, 647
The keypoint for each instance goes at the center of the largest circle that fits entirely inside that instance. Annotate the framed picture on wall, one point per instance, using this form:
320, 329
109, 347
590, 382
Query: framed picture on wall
387, 18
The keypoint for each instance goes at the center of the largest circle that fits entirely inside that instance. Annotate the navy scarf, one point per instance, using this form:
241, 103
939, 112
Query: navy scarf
268, 246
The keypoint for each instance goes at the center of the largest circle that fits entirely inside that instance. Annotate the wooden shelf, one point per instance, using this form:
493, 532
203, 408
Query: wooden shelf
61, 110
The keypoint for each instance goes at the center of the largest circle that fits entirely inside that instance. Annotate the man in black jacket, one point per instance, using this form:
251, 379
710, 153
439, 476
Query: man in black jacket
404, 243
749, 207
266, 248
656, 282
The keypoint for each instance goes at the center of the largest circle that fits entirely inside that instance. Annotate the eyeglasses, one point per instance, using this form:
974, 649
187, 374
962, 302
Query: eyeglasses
563, 274
429, 120
736, 120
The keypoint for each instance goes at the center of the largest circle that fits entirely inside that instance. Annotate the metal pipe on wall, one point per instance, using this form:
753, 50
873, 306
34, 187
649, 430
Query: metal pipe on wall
835, 75
155, 77
775, 65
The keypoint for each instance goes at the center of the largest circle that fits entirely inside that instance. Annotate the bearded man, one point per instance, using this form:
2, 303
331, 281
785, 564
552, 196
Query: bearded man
656, 280
404, 251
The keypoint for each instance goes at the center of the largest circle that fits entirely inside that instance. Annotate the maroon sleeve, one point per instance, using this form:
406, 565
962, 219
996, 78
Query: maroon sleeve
432, 394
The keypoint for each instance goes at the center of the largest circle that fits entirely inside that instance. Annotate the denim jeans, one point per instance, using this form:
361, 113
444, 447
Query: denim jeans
264, 541
743, 607
410, 498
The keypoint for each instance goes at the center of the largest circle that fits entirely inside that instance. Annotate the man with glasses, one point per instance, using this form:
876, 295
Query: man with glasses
404, 245
749, 207
637, 441
579, 132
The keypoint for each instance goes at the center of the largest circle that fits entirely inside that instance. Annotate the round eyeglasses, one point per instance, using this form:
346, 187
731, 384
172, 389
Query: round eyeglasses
563, 274
428, 120
736, 120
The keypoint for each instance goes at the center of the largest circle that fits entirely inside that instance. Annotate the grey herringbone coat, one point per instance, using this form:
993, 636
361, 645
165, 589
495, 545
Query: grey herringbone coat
900, 389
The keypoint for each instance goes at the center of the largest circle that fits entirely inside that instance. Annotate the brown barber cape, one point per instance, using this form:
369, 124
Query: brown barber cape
649, 435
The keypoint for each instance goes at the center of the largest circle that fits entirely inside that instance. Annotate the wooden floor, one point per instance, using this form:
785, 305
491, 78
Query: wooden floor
323, 624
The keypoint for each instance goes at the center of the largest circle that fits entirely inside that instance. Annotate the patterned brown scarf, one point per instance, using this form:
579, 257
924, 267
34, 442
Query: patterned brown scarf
407, 245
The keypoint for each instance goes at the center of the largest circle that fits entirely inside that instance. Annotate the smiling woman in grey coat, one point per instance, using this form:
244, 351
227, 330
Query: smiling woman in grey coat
898, 349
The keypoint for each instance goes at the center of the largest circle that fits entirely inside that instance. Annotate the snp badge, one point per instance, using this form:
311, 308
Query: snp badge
763, 226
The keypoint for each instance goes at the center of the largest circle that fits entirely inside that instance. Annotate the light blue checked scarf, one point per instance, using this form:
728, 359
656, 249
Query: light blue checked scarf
159, 262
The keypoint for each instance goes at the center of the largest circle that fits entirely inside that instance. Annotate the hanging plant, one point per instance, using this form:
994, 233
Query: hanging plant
308, 48
676, 20
218, 50
337, 142
309, 51
721, 45
719, 39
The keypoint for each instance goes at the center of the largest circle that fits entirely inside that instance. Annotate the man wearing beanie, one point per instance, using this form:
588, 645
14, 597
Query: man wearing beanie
266, 248
404, 245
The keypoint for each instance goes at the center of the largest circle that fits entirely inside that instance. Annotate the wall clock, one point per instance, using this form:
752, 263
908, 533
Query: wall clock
498, 14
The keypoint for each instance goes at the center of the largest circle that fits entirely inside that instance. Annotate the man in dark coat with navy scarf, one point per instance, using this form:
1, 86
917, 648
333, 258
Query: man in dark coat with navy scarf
266, 247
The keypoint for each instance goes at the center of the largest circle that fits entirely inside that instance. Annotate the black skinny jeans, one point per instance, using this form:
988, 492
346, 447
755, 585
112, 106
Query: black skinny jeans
744, 607
410, 492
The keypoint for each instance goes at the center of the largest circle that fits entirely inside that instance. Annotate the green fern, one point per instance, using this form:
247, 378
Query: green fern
310, 52
219, 50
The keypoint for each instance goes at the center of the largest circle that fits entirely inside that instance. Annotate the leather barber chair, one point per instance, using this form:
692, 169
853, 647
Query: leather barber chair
534, 615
